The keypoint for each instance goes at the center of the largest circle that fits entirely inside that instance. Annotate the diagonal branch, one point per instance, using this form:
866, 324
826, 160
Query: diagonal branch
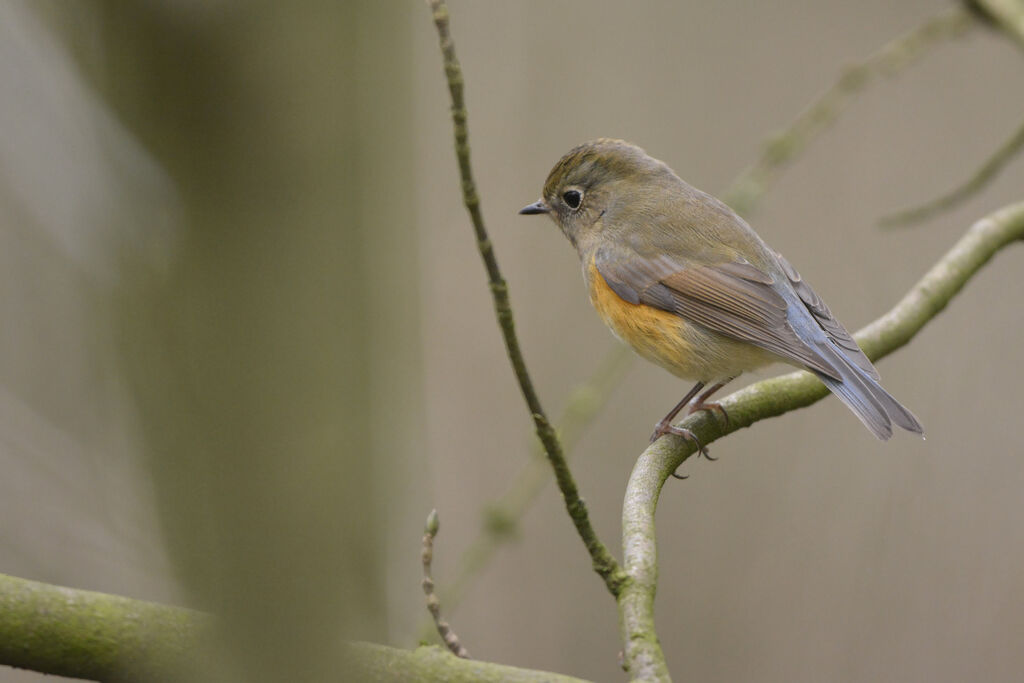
770, 398
989, 170
604, 563
823, 112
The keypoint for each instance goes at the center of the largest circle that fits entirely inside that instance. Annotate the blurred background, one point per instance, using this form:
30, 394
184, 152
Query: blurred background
246, 342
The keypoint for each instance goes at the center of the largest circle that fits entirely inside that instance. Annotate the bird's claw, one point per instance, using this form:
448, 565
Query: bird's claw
712, 408
665, 428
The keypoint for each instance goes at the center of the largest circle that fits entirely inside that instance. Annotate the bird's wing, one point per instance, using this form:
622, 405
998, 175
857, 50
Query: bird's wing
735, 299
832, 327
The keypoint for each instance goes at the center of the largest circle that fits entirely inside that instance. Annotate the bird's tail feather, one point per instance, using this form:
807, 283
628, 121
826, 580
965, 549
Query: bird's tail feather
862, 394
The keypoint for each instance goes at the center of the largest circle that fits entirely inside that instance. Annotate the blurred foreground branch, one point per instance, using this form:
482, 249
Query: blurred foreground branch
96, 636
82, 634
606, 566
769, 398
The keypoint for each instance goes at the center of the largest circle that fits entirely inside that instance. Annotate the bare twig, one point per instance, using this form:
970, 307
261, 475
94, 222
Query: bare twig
771, 398
989, 170
502, 517
823, 112
606, 566
444, 629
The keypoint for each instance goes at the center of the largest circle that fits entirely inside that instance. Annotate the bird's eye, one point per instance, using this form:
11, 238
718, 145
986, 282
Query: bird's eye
572, 198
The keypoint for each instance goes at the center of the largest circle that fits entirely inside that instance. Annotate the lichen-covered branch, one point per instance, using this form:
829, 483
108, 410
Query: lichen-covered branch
82, 634
97, 636
771, 398
604, 563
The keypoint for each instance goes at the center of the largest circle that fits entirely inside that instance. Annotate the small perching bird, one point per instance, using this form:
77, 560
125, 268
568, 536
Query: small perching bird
690, 286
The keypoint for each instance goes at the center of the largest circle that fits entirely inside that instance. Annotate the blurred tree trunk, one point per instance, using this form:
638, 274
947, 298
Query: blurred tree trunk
269, 345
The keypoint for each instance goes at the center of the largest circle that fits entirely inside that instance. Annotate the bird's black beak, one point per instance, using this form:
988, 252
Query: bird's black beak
537, 207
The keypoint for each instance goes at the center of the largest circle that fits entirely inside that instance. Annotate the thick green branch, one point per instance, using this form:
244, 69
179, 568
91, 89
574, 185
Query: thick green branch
770, 398
81, 634
604, 563
96, 636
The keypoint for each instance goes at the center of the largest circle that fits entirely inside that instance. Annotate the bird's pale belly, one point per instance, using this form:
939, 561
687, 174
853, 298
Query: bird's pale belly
686, 350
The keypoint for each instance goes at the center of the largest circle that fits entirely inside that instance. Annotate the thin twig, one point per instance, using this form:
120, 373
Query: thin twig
444, 629
606, 566
770, 398
502, 518
989, 170
824, 111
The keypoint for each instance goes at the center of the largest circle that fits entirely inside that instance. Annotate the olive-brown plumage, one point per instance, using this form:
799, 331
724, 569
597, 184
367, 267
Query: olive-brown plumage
690, 286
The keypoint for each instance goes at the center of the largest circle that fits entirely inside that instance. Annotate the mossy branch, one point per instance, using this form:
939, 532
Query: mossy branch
82, 634
770, 398
96, 636
603, 562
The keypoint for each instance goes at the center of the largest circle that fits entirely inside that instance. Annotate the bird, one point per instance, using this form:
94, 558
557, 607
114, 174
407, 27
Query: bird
687, 283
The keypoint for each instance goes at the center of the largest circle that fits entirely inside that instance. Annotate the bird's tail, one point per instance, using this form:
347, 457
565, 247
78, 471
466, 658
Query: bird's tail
862, 394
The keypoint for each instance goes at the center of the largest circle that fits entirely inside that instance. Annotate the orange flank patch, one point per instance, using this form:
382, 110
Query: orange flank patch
658, 336
686, 350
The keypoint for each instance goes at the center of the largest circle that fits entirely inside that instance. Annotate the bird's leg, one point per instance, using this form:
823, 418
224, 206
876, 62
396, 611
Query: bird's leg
701, 402
665, 425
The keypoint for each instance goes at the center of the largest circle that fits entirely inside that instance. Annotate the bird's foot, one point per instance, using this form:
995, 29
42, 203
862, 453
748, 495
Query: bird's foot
713, 408
663, 428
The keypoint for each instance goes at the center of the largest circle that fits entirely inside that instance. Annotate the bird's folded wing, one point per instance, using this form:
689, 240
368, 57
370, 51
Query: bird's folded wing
734, 299
833, 328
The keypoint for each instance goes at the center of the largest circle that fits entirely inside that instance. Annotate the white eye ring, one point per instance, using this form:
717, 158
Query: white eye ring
573, 199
